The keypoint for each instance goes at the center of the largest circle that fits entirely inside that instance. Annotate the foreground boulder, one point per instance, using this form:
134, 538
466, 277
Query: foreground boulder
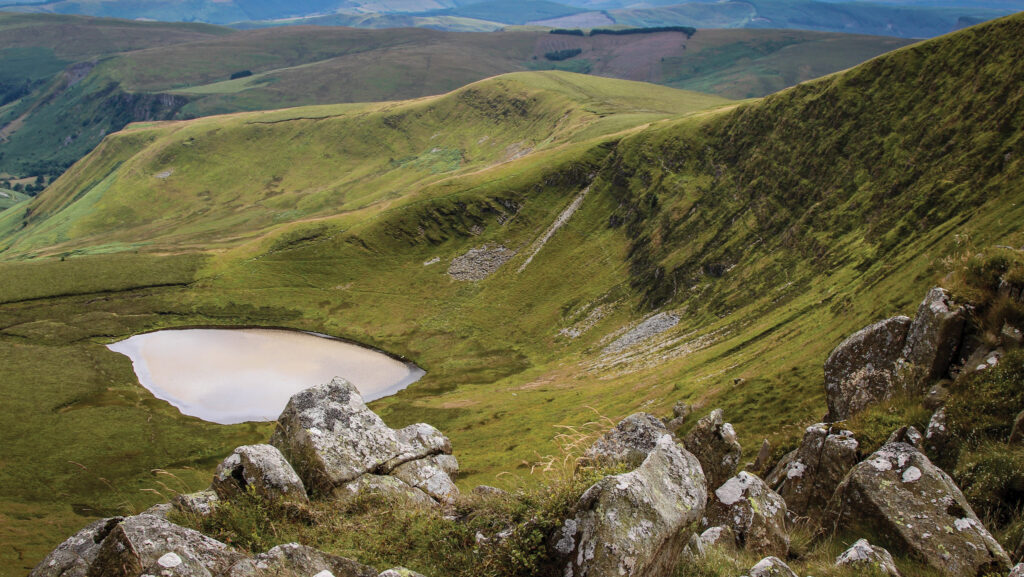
632, 524
261, 469
432, 475
771, 567
73, 557
935, 336
898, 494
826, 454
755, 513
386, 486
869, 558
296, 559
200, 503
714, 443
629, 442
862, 369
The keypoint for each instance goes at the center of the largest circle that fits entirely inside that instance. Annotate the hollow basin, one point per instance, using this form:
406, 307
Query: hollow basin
231, 376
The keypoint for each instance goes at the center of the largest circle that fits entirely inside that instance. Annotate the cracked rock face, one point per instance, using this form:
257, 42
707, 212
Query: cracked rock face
934, 338
630, 441
73, 557
821, 462
755, 513
387, 486
632, 524
861, 370
914, 506
714, 443
867, 556
432, 475
261, 467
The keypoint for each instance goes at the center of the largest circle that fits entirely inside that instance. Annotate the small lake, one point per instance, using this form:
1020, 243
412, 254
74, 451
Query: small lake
231, 376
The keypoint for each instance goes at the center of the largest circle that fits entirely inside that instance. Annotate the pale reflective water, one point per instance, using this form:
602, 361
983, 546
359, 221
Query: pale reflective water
235, 375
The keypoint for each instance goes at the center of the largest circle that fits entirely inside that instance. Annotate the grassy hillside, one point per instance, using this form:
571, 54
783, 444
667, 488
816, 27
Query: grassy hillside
772, 229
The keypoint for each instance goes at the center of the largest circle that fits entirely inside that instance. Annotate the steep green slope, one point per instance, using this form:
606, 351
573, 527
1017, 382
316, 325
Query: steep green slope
772, 230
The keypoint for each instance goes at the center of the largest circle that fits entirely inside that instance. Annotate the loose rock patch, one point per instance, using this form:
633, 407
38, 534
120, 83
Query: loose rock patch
479, 263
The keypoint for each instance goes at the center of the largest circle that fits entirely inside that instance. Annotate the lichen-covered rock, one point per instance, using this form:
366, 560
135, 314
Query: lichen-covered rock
400, 572
200, 503
632, 524
781, 470
821, 462
771, 567
718, 536
73, 557
1017, 571
261, 467
714, 443
145, 544
934, 338
385, 485
418, 441
301, 561
867, 556
937, 435
629, 442
680, 412
898, 494
907, 434
861, 370
432, 475
755, 513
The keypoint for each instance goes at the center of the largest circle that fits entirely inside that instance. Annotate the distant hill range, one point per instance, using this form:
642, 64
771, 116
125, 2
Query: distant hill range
903, 18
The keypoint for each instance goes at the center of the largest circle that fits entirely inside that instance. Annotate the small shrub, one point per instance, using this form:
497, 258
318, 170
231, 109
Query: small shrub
992, 479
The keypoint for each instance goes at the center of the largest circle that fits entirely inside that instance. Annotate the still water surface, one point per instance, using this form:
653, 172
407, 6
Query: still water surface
235, 375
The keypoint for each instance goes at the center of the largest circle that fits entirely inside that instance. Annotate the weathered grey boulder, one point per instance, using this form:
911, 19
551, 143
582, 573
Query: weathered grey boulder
145, 544
293, 559
418, 441
781, 470
714, 443
629, 442
907, 434
73, 557
400, 572
720, 536
632, 524
160, 510
861, 370
821, 462
898, 494
1017, 430
771, 567
935, 336
755, 513
867, 556
763, 454
384, 485
432, 475
261, 467
680, 412
200, 503
937, 435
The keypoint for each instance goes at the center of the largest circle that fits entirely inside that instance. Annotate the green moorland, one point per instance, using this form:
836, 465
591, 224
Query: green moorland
58, 98
773, 229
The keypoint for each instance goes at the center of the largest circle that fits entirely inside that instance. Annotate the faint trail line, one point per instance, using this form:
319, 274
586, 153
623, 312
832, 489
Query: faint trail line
561, 220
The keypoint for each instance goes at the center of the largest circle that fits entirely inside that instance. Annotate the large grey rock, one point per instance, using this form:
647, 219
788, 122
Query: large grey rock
680, 412
73, 557
898, 494
629, 442
935, 336
861, 370
720, 535
821, 462
295, 560
771, 567
432, 475
937, 435
200, 503
145, 544
868, 557
714, 444
632, 524
418, 441
755, 513
384, 485
261, 467
779, 473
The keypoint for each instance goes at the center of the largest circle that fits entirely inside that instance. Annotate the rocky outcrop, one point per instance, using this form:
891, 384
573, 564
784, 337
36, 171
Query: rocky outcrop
755, 513
331, 439
73, 557
261, 469
771, 567
629, 442
714, 443
296, 559
898, 494
385, 486
632, 524
826, 454
718, 536
935, 335
937, 435
868, 558
200, 503
680, 412
861, 370
479, 263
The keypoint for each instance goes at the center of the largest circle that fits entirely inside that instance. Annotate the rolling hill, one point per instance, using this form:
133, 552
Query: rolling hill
769, 230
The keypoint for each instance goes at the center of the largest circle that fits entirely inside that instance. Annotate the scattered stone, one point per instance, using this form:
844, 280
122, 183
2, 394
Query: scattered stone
651, 326
73, 557
934, 337
488, 491
632, 524
629, 442
755, 513
200, 503
718, 536
907, 434
821, 462
432, 475
680, 412
937, 434
714, 444
400, 572
261, 467
771, 567
898, 494
299, 560
865, 555
936, 396
763, 454
384, 485
479, 263
861, 370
